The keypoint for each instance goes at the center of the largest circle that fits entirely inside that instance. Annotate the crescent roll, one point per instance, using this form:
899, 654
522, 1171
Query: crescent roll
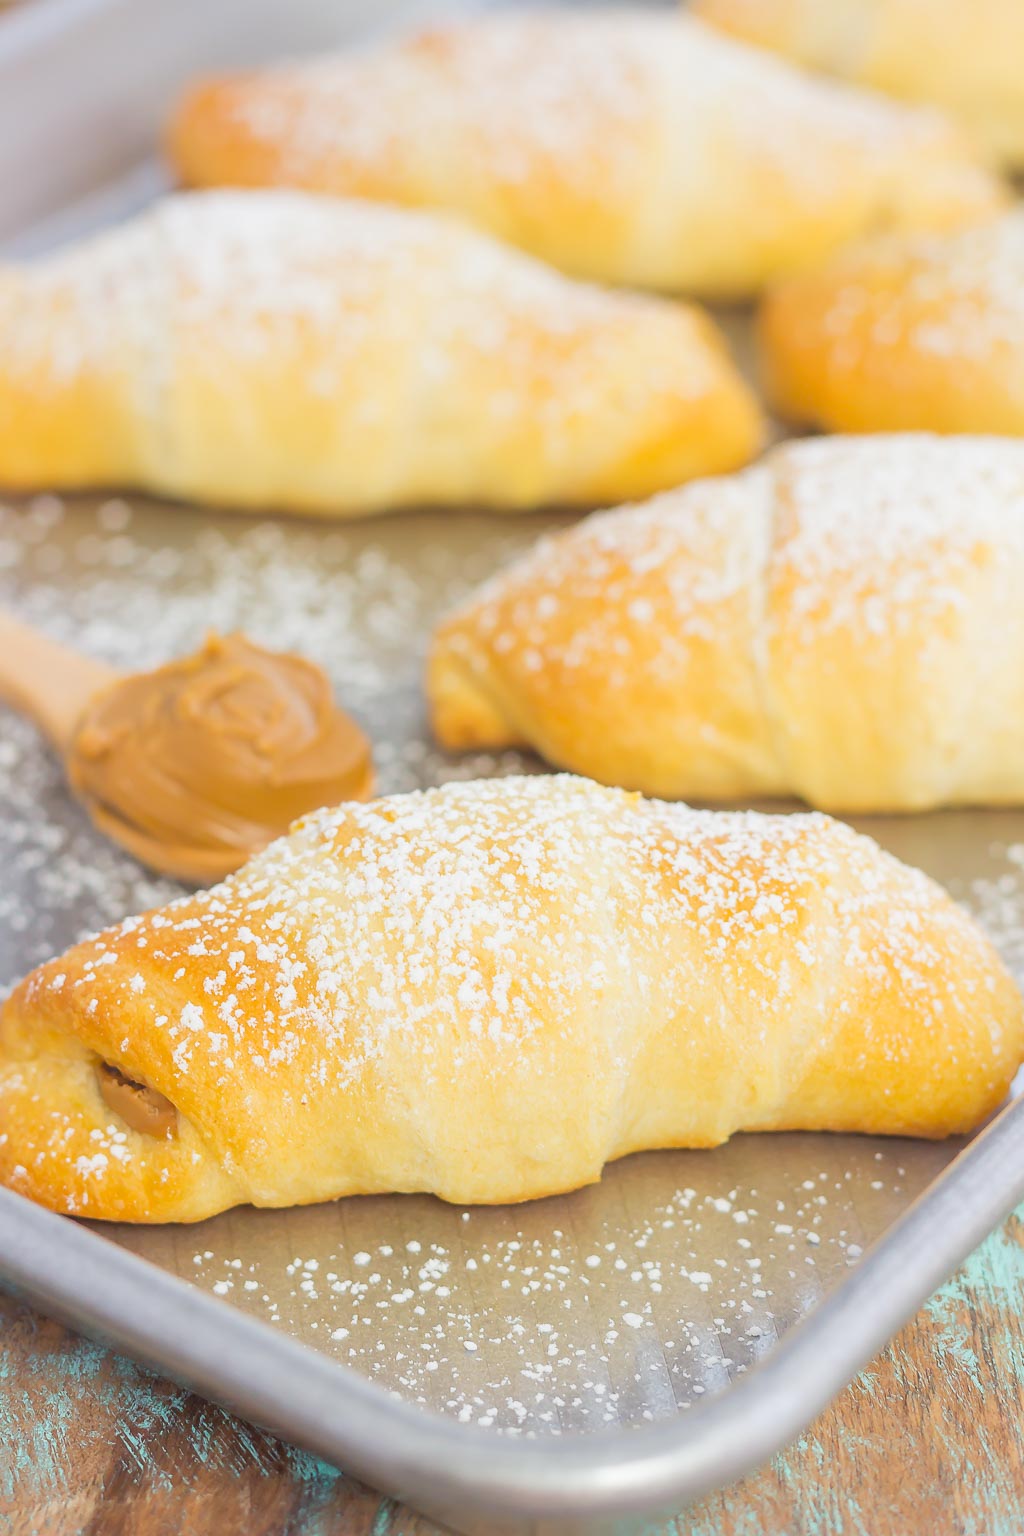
627, 146
278, 349
487, 991
843, 622
962, 55
903, 333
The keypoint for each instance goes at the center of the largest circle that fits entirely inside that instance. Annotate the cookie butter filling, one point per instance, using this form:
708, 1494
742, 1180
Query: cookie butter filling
139, 1106
197, 765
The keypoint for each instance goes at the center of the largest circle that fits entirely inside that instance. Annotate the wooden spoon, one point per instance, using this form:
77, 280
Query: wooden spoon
50, 683
195, 765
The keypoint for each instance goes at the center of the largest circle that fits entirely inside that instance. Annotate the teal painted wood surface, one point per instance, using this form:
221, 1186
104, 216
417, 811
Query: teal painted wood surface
929, 1439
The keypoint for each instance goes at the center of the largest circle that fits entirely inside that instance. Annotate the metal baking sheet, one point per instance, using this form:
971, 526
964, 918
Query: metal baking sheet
563, 1365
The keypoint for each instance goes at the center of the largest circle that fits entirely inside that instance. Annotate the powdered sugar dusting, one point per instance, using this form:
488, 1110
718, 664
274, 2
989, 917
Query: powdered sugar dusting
709, 1250
415, 361
859, 534
337, 290
689, 552
952, 297
881, 532
512, 98
436, 933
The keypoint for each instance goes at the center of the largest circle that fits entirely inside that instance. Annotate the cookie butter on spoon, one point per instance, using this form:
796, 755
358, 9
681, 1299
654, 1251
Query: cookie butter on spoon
194, 766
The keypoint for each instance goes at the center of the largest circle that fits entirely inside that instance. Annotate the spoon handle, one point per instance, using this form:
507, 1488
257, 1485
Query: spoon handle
47, 681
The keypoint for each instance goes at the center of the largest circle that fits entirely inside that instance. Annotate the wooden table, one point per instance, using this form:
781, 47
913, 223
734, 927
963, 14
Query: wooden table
930, 1440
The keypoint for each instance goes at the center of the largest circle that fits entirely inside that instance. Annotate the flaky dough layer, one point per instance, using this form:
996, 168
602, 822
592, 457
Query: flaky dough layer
627, 146
962, 55
904, 334
274, 349
487, 991
842, 622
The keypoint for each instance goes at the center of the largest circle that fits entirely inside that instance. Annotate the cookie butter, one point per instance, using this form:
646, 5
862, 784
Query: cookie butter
197, 765
139, 1106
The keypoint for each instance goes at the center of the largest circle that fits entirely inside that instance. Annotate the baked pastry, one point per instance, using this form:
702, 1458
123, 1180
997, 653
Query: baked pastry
630, 146
395, 996
904, 333
842, 622
962, 55
281, 350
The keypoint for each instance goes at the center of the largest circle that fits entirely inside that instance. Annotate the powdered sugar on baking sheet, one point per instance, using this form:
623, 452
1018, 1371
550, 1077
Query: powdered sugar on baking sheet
997, 899
622, 1303
725, 1235
136, 585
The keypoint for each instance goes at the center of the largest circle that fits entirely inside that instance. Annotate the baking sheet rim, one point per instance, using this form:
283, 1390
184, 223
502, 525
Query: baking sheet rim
452, 1470
463, 1473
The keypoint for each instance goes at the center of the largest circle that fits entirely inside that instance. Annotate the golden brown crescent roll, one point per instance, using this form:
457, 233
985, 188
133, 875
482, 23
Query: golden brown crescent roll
633, 147
487, 991
905, 332
963, 55
842, 622
278, 349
